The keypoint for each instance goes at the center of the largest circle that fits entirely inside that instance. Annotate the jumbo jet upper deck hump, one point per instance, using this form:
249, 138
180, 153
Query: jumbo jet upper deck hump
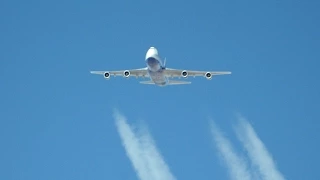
153, 49
152, 52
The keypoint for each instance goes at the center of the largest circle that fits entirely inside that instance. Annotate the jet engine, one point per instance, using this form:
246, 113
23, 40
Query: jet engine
208, 75
126, 73
107, 75
184, 73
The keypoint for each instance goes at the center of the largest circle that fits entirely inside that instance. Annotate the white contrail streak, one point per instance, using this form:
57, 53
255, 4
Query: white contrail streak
142, 152
158, 168
257, 152
131, 145
236, 165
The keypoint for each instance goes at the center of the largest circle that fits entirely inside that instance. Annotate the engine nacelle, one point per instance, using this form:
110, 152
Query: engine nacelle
126, 73
106, 75
184, 74
208, 75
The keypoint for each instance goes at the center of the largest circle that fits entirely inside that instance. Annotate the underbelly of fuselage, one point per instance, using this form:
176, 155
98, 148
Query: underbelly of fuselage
156, 72
158, 77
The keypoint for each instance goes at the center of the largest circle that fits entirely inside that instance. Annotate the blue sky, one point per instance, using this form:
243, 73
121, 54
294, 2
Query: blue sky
57, 119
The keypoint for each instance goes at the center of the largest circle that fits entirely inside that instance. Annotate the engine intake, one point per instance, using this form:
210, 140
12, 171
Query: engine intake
208, 75
184, 73
107, 75
126, 73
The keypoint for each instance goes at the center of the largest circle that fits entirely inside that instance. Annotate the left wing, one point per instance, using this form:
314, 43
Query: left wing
185, 73
142, 72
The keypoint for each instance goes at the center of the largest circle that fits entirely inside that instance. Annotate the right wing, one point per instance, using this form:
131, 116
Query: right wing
184, 73
142, 72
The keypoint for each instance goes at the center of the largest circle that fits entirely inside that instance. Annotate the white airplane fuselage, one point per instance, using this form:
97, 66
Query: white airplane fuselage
155, 67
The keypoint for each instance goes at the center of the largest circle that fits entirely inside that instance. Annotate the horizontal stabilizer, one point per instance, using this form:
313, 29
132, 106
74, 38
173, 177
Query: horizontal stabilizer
170, 82
173, 82
146, 82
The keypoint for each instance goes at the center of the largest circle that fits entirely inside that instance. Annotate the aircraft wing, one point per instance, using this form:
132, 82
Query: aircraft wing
184, 73
142, 72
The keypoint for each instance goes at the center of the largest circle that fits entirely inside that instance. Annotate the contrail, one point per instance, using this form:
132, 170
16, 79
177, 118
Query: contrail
257, 152
142, 152
131, 144
236, 165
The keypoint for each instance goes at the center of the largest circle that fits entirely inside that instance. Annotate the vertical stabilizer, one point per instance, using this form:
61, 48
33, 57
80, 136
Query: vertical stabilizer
164, 63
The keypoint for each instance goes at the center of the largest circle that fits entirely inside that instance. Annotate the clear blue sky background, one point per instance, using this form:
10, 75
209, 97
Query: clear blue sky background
56, 117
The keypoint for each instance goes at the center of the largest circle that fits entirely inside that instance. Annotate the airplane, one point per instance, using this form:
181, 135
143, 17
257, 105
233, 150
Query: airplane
158, 73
